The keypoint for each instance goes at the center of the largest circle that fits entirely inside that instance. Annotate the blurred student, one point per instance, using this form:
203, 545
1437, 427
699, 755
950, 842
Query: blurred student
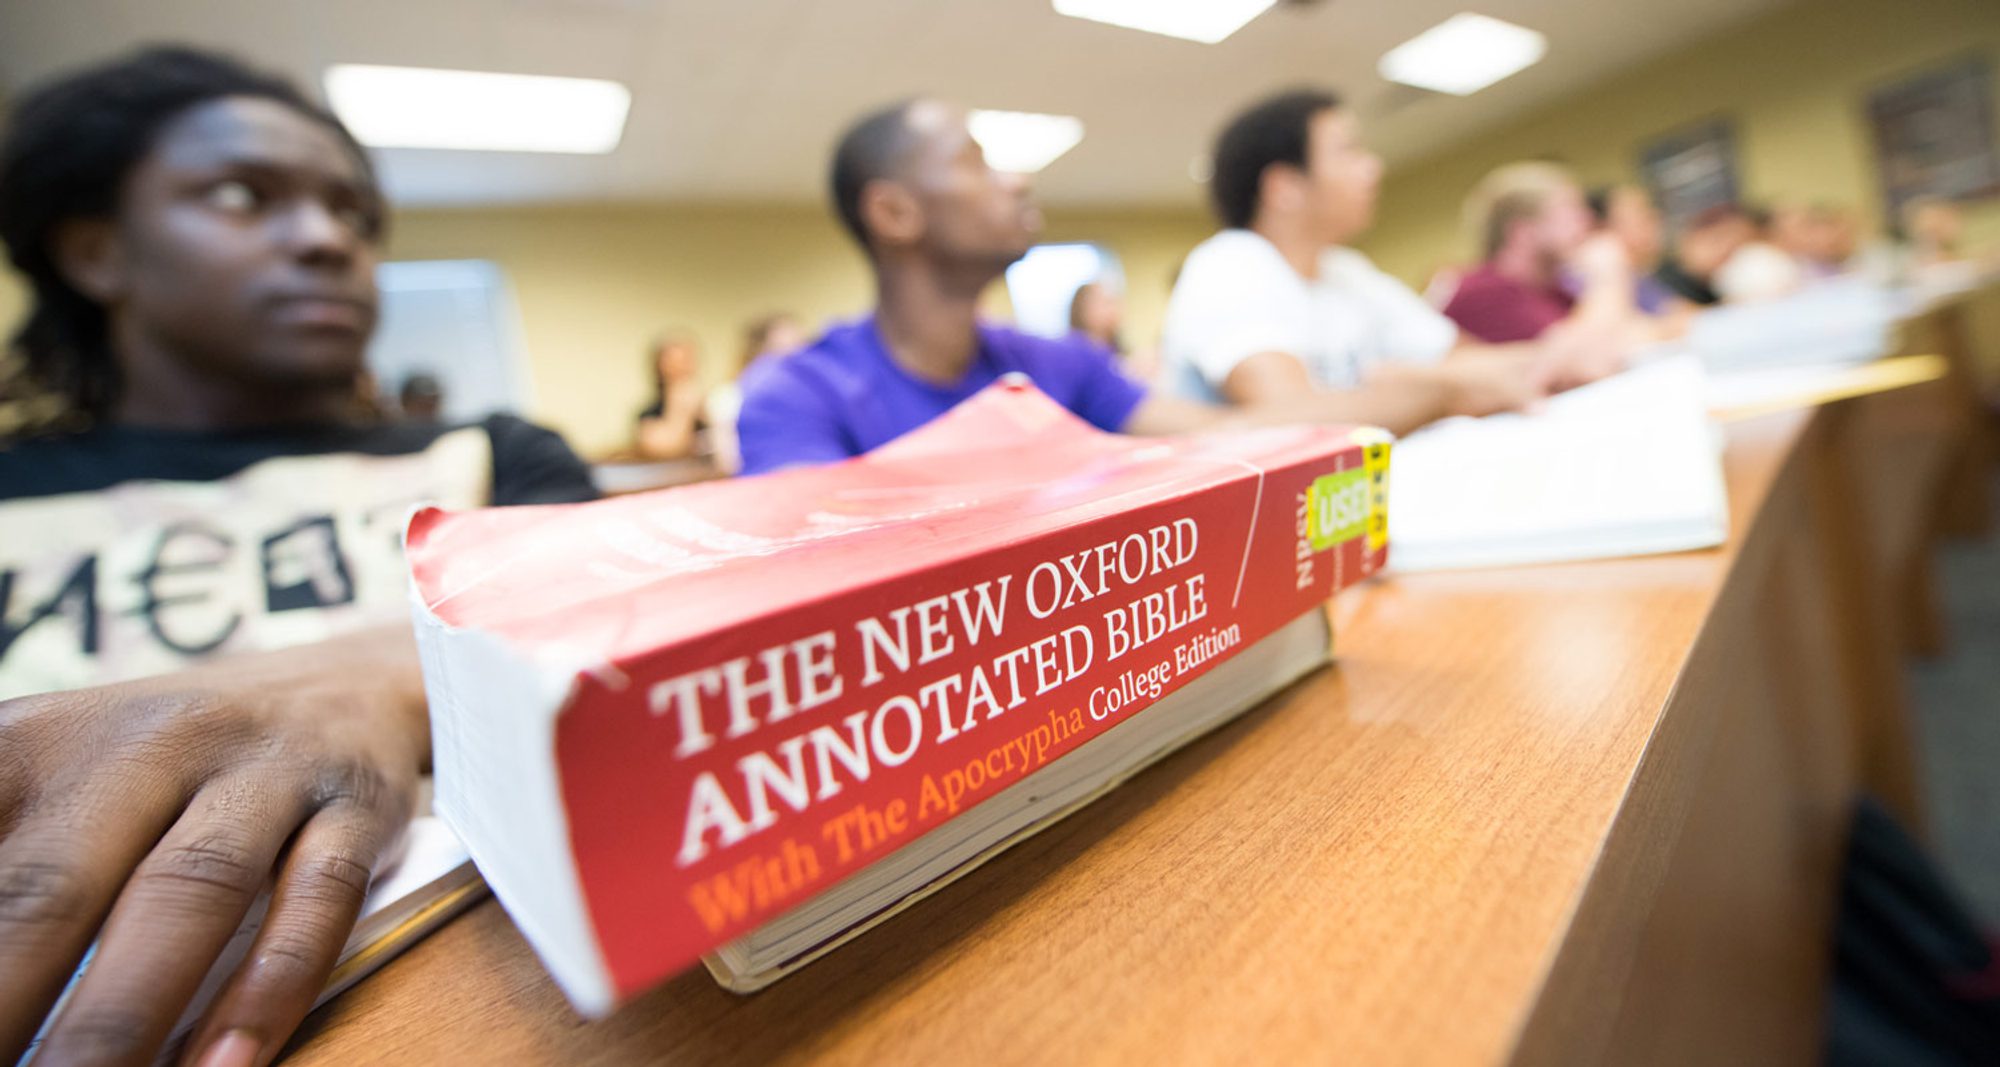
1933, 228
1542, 259
1628, 214
1097, 313
1275, 306
1819, 237
1699, 252
1834, 238
421, 397
200, 242
938, 225
1771, 263
1927, 248
670, 427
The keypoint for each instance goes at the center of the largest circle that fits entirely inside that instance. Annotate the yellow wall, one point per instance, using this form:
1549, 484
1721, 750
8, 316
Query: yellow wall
1795, 82
13, 301
594, 284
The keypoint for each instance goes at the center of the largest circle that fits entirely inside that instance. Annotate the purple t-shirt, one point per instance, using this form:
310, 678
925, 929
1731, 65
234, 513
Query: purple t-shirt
843, 395
1652, 297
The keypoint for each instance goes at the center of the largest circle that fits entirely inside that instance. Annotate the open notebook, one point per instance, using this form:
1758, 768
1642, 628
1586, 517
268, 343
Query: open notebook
1623, 467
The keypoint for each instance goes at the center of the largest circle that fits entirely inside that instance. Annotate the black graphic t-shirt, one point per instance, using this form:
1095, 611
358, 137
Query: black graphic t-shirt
126, 552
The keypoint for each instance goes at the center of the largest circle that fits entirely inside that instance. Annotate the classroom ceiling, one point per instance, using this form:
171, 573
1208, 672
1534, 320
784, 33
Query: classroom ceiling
740, 100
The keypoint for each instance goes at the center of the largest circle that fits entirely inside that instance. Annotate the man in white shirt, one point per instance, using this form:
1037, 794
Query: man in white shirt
1275, 305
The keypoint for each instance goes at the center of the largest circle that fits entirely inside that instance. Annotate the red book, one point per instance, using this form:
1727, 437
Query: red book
749, 718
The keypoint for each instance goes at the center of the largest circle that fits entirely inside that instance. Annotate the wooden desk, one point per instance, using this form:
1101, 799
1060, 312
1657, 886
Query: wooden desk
1961, 328
1582, 814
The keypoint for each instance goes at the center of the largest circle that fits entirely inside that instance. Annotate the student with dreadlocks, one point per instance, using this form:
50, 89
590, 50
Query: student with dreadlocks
202, 616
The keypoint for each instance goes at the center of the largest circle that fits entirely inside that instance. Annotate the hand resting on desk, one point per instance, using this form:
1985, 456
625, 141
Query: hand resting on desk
160, 808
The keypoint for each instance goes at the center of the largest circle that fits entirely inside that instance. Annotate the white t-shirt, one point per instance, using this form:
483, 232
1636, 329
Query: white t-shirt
1237, 297
1758, 271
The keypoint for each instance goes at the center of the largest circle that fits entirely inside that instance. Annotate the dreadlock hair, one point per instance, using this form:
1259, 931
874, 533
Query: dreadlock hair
68, 149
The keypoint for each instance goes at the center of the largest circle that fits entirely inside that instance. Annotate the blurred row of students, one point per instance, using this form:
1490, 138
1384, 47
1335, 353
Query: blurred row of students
205, 634
1277, 305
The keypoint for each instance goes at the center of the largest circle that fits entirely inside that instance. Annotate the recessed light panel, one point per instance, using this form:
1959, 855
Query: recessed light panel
420, 107
1463, 54
1023, 141
1207, 21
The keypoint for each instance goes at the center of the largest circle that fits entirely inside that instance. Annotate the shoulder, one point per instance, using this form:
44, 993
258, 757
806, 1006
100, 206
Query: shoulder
107, 456
1062, 367
1482, 283
1034, 348
533, 464
1232, 276
835, 365
1229, 253
1350, 272
818, 404
1352, 267
511, 432
47, 466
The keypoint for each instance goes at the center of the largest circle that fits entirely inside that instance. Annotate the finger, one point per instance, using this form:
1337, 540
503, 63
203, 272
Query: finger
59, 872
173, 919
319, 893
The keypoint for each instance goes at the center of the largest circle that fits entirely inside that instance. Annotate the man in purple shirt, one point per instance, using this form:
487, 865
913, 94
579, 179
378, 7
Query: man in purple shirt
938, 226
845, 394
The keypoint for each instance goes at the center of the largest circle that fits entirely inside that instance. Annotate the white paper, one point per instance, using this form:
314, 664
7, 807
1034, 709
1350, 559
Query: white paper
1625, 466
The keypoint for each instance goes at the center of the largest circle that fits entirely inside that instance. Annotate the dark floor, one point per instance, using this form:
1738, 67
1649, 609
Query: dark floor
1957, 699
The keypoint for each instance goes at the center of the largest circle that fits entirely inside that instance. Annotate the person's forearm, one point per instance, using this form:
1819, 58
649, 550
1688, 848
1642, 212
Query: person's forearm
1470, 347
1398, 399
1608, 296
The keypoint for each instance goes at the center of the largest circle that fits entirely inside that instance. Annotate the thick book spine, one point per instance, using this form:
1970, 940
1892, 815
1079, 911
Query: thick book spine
719, 783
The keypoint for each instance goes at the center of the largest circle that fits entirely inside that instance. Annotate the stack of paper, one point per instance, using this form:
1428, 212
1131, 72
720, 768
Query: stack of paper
1846, 320
1626, 466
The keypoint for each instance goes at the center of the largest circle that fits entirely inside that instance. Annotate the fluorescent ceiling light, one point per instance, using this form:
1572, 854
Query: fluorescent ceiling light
1207, 21
1022, 141
418, 107
1463, 54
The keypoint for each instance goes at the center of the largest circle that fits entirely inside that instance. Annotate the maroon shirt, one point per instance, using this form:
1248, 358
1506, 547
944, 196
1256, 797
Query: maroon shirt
1497, 309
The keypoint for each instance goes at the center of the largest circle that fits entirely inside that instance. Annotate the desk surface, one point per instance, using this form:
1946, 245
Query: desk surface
1533, 815
1380, 864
